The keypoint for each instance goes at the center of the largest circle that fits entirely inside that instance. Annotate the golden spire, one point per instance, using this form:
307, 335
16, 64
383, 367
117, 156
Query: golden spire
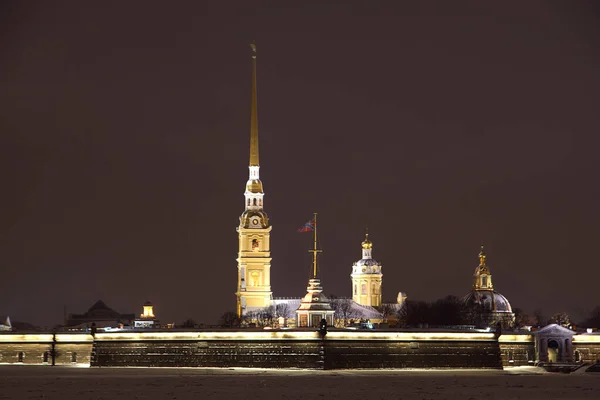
367, 243
254, 114
482, 257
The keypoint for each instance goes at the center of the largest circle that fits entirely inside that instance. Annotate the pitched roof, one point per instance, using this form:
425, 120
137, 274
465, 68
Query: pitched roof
100, 305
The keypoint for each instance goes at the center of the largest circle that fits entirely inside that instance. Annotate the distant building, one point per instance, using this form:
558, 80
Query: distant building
101, 315
147, 319
489, 307
367, 277
5, 324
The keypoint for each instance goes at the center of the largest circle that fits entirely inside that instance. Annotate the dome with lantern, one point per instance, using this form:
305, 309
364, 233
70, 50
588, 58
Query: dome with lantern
366, 265
492, 307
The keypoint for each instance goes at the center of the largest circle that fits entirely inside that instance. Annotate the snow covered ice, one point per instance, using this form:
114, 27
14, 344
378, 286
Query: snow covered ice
64, 383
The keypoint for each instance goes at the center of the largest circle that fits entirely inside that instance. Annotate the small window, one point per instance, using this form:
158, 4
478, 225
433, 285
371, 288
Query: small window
248, 201
484, 281
355, 291
254, 244
73, 357
20, 357
363, 288
254, 201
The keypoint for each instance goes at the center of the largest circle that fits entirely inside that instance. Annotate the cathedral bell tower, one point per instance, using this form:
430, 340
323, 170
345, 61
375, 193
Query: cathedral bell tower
367, 277
254, 255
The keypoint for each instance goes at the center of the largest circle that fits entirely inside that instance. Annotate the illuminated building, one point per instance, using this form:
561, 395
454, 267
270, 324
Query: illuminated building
147, 319
254, 257
5, 324
366, 277
490, 307
101, 316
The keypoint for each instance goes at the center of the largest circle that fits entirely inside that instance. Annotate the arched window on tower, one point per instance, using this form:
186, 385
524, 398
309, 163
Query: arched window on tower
254, 201
254, 244
363, 288
248, 201
355, 291
260, 202
484, 281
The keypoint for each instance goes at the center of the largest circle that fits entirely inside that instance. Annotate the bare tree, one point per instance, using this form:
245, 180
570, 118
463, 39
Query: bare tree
229, 319
561, 318
261, 317
388, 310
522, 319
343, 311
282, 310
188, 323
414, 313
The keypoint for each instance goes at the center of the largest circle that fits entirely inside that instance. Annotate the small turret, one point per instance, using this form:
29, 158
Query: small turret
482, 278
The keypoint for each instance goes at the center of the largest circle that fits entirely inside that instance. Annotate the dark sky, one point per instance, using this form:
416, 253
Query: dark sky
124, 134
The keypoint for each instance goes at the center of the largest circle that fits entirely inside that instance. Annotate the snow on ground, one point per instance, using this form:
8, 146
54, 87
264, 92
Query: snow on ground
64, 383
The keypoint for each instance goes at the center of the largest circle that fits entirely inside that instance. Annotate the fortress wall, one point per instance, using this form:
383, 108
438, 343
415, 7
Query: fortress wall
411, 350
246, 348
517, 350
277, 349
29, 348
283, 349
214, 353
588, 347
417, 354
298, 349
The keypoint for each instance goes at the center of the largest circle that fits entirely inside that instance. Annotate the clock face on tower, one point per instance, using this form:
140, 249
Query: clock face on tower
255, 221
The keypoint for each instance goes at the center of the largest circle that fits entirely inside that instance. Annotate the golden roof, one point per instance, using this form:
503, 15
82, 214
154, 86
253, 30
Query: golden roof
254, 186
367, 244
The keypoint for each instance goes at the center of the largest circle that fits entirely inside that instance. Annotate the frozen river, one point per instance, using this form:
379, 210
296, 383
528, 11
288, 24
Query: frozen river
43, 382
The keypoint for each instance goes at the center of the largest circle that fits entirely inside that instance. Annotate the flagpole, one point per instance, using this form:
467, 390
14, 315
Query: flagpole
315, 248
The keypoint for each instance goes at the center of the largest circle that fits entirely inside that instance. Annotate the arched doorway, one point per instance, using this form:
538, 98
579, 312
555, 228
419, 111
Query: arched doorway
553, 351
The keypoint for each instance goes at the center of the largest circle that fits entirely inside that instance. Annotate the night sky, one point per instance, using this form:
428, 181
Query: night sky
124, 135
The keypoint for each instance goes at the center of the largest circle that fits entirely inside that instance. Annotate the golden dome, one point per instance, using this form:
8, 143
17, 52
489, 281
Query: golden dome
367, 243
254, 186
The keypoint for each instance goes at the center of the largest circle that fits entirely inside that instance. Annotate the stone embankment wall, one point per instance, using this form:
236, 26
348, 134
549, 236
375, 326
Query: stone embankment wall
280, 349
517, 350
298, 349
36, 348
586, 348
